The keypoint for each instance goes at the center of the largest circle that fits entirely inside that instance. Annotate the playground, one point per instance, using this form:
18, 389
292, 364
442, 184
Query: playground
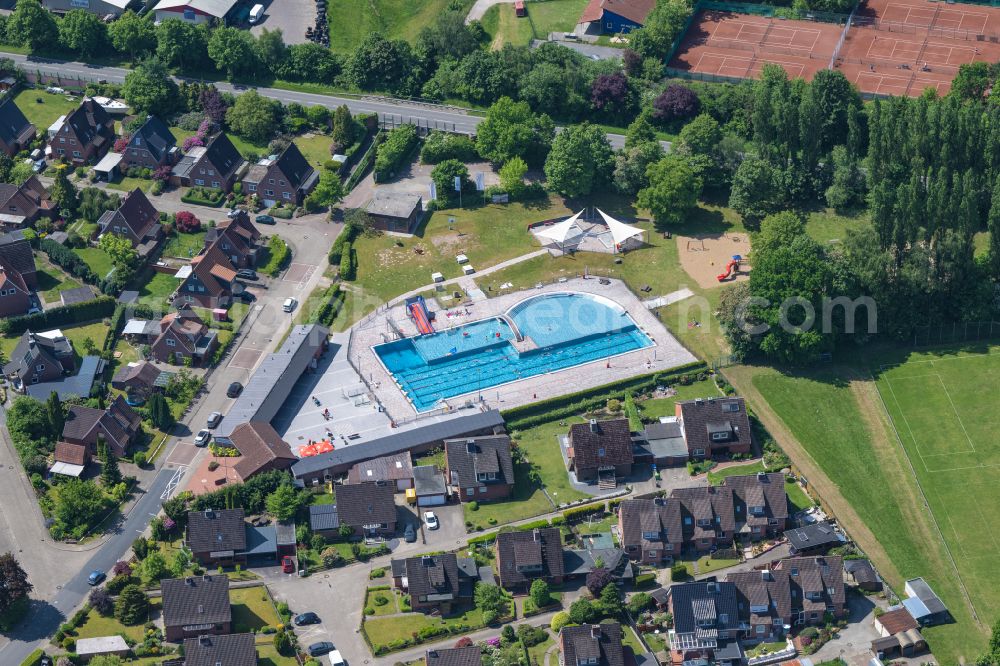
706, 258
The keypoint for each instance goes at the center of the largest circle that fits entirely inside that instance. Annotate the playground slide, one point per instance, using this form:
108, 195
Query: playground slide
731, 268
420, 316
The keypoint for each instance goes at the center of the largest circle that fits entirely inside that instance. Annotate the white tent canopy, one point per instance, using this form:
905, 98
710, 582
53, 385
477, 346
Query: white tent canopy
620, 232
562, 231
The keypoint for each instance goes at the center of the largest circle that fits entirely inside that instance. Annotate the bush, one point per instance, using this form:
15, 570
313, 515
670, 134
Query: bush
204, 196
280, 256
639, 602
559, 620
473, 505
132, 606
34, 659
678, 572
441, 146
68, 260
101, 601
398, 145
348, 263
187, 223
67, 315
139, 458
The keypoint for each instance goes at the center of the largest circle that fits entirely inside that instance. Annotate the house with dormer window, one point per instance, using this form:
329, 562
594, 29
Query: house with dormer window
436, 583
82, 136
592, 645
151, 146
135, 219
650, 529
285, 178
707, 624
208, 282
714, 426
16, 133
524, 556
479, 468
600, 451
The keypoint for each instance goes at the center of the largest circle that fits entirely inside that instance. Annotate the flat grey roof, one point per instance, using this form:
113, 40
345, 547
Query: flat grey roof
293, 356
394, 204
427, 480
400, 441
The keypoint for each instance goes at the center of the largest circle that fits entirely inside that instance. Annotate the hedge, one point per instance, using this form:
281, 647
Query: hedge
546, 411
327, 312
68, 260
34, 658
345, 238
364, 163
204, 196
537, 524
441, 146
348, 263
398, 144
280, 256
579, 511
65, 315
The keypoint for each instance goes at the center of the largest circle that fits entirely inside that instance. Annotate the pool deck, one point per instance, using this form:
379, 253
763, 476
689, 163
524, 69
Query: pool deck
665, 354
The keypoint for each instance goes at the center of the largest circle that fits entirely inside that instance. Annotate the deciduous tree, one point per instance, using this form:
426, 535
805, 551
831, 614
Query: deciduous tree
14, 583
81, 30
673, 190
580, 160
511, 129
253, 117
32, 25
232, 51
149, 88
133, 34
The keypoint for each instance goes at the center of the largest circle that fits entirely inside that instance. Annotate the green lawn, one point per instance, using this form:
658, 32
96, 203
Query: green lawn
184, 246
52, 280
505, 27
542, 451
828, 227
382, 630
797, 497
252, 609
825, 416
83, 228
268, 656
159, 287
389, 608
43, 114
315, 148
395, 19
76, 334
97, 259
97, 625
554, 16
652, 409
526, 501
537, 652
717, 477
246, 147
129, 184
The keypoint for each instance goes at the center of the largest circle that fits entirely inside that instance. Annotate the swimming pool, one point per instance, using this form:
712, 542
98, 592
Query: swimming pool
562, 330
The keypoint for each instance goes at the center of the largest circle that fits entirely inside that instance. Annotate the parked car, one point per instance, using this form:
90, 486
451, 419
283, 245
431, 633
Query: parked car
234, 390
431, 520
232, 212
214, 419
202, 438
38, 166
410, 533
289, 304
321, 648
96, 577
336, 659
256, 13
246, 274
55, 90
265, 219
306, 618
287, 565
247, 296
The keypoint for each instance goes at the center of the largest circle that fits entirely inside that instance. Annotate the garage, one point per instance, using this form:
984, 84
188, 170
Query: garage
429, 486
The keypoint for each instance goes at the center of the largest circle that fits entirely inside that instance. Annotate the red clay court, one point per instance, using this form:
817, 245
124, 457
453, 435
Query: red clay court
893, 47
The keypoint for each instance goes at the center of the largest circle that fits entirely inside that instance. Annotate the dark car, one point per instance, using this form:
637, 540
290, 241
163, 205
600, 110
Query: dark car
96, 577
247, 297
234, 390
265, 219
246, 274
410, 534
319, 649
306, 618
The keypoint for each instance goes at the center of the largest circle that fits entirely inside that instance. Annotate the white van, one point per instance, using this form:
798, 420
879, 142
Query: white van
336, 659
289, 304
256, 13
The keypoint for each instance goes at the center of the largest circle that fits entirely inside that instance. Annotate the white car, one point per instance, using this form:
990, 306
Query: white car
336, 659
202, 438
55, 90
289, 304
431, 520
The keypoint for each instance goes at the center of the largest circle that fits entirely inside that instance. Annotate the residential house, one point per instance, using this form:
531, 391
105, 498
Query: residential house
435, 583
395, 211
150, 147
600, 451
524, 556
16, 133
816, 586
714, 426
599, 553
591, 644
765, 603
285, 178
135, 219
16, 256
39, 357
15, 296
396, 470
118, 426
217, 537
70, 459
208, 282
708, 517
184, 335
138, 378
100, 7
924, 605
814, 539
21, 205
236, 238
217, 164
368, 508
429, 486
195, 606
706, 623
863, 574
261, 449
899, 636
895, 621
480, 468
760, 504
650, 529
194, 11
616, 16
228, 650
83, 136
469, 655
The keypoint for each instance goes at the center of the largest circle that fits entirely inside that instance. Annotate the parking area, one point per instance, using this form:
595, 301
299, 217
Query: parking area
299, 272
292, 17
245, 358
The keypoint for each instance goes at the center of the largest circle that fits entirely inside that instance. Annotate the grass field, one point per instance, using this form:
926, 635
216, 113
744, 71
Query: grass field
505, 27
395, 19
554, 16
97, 259
129, 184
43, 114
844, 435
542, 450
155, 291
382, 630
252, 609
184, 246
52, 281
315, 148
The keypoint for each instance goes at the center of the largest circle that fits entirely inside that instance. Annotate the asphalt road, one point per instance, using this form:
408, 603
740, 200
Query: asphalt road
389, 110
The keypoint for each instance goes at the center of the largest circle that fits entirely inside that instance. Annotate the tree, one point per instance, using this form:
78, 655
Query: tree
597, 579
271, 50
559, 620
673, 190
213, 104
30, 428
380, 64
180, 43
444, 175
511, 129
111, 475
149, 88
311, 62
14, 583
639, 602
492, 598
154, 568
632, 165
639, 132
253, 117
132, 606
662, 26
63, 193
159, 412
232, 51
119, 249
101, 601
282, 643
187, 222
77, 504
582, 611
81, 30
180, 563
106, 660
132, 34
94, 202
611, 600
848, 184
540, 593
32, 25
675, 103
329, 190
55, 413
580, 160
157, 530
140, 548
343, 129
612, 96
778, 230
20, 172
512, 176
701, 136
283, 502
756, 192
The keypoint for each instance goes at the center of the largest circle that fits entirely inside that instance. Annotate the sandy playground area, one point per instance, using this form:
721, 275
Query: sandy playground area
705, 257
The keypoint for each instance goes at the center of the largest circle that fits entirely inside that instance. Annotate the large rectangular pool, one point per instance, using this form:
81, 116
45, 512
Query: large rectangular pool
567, 329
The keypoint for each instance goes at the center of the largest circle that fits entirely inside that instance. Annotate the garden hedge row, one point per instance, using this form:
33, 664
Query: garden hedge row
204, 197
33, 659
280, 256
364, 163
66, 315
332, 304
579, 511
68, 260
398, 145
545, 411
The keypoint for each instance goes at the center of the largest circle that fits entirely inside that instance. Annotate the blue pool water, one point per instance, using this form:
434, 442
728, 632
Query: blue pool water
568, 329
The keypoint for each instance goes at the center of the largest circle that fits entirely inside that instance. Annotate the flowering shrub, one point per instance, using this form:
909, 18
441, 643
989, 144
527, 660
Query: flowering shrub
162, 173
121, 143
187, 222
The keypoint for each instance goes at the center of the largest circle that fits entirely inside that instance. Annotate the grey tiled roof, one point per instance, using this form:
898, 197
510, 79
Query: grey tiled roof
700, 417
196, 600
687, 597
661, 517
601, 443
427, 480
814, 536
470, 655
602, 642
366, 504
518, 549
432, 575
467, 458
387, 468
228, 650
323, 517
216, 530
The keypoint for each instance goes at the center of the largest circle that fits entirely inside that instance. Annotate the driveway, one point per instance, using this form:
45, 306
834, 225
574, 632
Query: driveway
853, 644
292, 17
